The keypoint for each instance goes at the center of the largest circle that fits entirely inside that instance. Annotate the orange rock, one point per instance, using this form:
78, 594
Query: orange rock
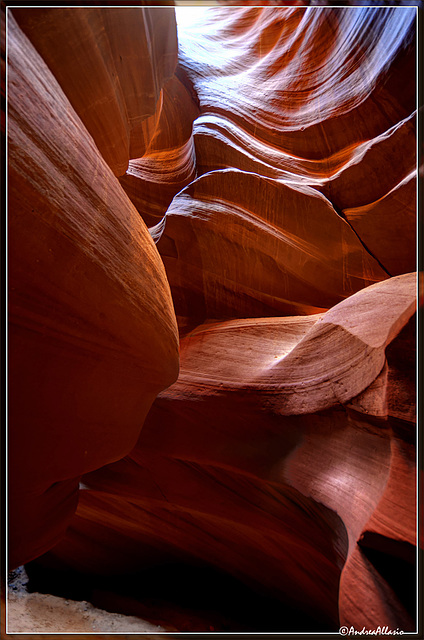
219, 476
92, 333
294, 78
345, 350
235, 244
111, 63
388, 226
169, 162
378, 581
278, 103
369, 174
284, 454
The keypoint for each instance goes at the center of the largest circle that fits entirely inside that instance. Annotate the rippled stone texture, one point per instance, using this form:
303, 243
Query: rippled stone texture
92, 332
169, 163
262, 459
111, 64
236, 244
284, 454
276, 76
319, 97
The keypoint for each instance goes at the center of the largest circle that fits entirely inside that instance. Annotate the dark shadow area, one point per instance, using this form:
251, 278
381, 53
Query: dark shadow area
180, 597
395, 562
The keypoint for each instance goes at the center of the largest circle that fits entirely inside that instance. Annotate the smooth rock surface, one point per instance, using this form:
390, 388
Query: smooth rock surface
236, 244
111, 64
275, 169
91, 323
168, 165
219, 476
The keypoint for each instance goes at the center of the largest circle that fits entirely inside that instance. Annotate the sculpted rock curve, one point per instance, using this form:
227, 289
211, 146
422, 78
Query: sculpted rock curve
91, 322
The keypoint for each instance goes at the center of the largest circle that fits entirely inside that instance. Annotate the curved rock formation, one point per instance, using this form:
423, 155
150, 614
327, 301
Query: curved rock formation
283, 456
394, 216
279, 102
236, 244
111, 64
169, 163
277, 80
92, 332
220, 476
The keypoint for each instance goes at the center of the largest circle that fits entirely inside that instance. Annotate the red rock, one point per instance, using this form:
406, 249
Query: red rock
235, 244
218, 476
111, 64
278, 81
368, 601
373, 160
378, 581
169, 162
388, 226
284, 454
92, 332
278, 103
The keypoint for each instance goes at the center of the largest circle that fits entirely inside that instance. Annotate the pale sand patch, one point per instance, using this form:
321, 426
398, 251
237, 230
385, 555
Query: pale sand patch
40, 613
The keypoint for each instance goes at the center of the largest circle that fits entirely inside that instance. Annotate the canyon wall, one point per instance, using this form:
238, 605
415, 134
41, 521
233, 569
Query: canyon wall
215, 239
92, 330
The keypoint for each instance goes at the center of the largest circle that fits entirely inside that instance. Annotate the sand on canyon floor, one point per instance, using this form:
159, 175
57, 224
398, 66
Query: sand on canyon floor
40, 613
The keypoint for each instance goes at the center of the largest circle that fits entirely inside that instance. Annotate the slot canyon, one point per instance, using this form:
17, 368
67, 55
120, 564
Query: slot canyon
212, 296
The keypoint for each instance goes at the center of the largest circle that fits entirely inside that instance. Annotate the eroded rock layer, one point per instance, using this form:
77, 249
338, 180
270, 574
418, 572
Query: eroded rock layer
318, 97
277, 80
220, 476
232, 248
169, 163
92, 329
275, 169
111, 64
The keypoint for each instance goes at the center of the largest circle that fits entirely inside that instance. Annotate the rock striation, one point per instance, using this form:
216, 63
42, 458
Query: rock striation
92, 331
169, 164
232, 248
239, 466
289, 98
111, 64
221, 249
